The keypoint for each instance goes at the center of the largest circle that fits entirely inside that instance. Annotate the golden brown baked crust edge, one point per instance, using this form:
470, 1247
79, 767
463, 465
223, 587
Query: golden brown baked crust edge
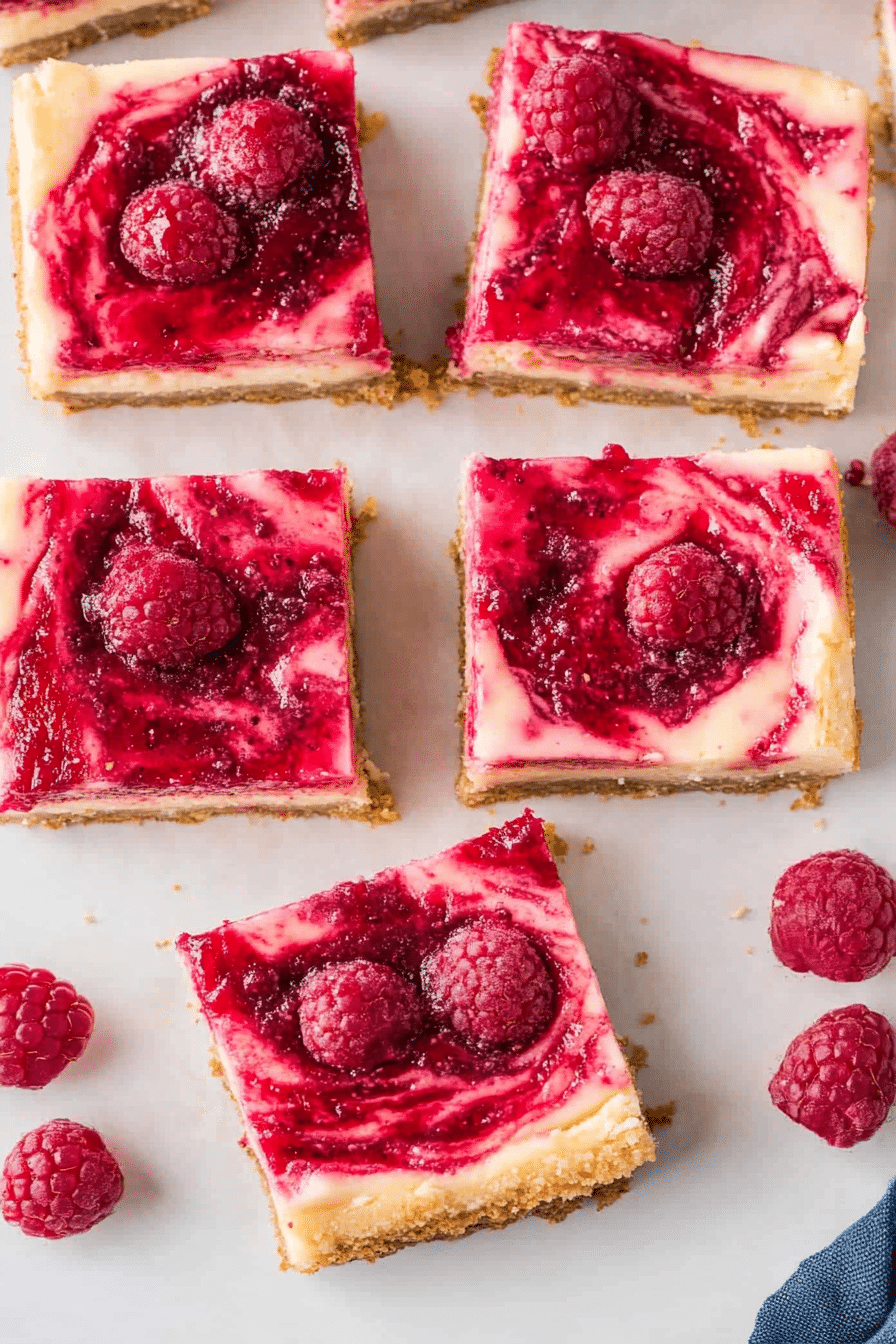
146, 22
405, 19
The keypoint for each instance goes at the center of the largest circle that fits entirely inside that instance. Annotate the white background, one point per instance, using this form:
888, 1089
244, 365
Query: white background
738, 1194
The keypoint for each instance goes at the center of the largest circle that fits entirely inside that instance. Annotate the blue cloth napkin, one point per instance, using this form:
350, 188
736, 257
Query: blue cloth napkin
845, 1294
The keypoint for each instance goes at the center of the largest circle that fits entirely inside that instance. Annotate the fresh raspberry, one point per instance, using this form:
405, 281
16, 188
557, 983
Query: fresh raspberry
163, 609
838, 1076
254, 149
855, 473
835, 915
491, 984
683, 596
44, 1025
650, 224
60, 1179
883, 478
358, 1014
579, 112
176, 234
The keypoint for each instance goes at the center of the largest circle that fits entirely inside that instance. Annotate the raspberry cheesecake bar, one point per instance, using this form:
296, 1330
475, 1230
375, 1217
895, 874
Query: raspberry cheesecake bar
644, 626
194, 231
660, 223
33, 29
179, 646
350, 22
421, 1054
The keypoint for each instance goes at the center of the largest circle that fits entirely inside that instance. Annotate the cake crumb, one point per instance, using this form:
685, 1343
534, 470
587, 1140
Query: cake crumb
812, 795
821, 824
163, 942
722, 802
647, 1020
749, 951
479, 103
770, 447
637, 1056
369, 124
90, 917
660, 1115
493, 65
741, 911
777, 430
362, 520
749, 423
644, 920
556, 844
641, 958
587, 845
459, 278
177, 887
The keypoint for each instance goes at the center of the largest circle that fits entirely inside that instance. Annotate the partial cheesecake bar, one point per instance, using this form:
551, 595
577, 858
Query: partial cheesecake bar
194, 231
179, 646
350, 22
31, 30
649, 625
422, 1053
668, 224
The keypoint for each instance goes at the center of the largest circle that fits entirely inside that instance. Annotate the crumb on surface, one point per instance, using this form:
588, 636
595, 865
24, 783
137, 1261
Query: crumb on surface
479, 104
812, 795
369, 124
663, 1114
749, 951
641, 958
647, 1020
722, 802
163, 942
768, 446
177, 887
90, 917
741, 911
637, 1055
821, 824
459, 278
587, 845
644, 920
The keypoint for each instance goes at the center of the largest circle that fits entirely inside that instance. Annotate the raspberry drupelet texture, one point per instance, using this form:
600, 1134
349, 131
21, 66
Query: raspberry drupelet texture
162, 609
253, 149
652, 225
579, 112
44, 1025
358, 1014
883, 478
490, 982
174, 233
834, 914
838, 1077
60, 1179
683, 596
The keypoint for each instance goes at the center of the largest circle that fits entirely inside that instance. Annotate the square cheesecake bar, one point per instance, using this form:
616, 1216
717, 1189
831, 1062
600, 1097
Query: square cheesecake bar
422, 1053
350, 22
179, 646
194, 231
668, 224
31, 30
650, 625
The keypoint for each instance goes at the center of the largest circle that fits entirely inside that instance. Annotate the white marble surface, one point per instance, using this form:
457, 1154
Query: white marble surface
739, 1194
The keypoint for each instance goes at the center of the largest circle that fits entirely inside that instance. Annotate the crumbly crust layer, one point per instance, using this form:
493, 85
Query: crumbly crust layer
403, 20
145, 22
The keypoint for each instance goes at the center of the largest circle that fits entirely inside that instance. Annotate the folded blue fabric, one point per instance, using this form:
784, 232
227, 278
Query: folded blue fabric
845, 1294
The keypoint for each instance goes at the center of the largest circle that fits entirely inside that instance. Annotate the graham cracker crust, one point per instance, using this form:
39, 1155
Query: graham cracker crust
403, 20
145, 22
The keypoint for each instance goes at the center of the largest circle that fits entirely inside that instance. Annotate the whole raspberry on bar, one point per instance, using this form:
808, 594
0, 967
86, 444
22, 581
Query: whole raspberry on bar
838, 1077
358, 1014
883, 479
163, 609
44, 1025
489, 981
175, 234
652, 225
834, 914
684, 596
253, 149
58, 1180
579, 112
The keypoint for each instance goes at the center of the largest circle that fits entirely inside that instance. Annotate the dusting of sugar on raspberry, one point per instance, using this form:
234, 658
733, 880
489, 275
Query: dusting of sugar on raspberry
834, 915
59, 1179
175, 234
651, 225
488, 980
44, 1025
883, 479
254, 149
579, 112
838, 1077
683, 596
358, 1014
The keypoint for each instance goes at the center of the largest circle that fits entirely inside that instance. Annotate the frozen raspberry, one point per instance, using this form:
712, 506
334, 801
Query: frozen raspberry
883, 478
254, 149
650, 224
835, 915
683, 596
60, 1179
855, 473
176, 234
579, 112
838, 1076
163, 609
358, 1014
491, 984
44, 1025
